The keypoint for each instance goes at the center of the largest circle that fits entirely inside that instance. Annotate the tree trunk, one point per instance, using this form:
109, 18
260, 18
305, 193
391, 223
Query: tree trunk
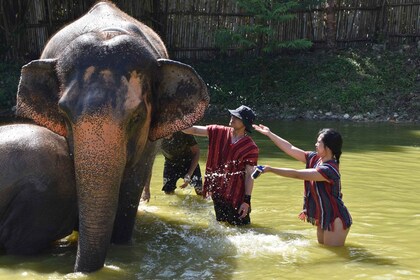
331, 24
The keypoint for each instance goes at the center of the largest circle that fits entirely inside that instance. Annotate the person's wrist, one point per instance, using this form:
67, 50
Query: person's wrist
247, 199
187, 178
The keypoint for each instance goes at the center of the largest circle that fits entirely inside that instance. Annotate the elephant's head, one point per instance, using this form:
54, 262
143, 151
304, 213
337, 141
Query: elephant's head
108, 97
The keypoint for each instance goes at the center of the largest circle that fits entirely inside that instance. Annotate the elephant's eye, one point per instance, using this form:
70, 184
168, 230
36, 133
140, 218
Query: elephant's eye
136, 117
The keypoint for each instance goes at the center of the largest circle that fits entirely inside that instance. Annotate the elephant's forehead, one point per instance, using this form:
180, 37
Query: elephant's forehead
88, 73
106, 74
133, 83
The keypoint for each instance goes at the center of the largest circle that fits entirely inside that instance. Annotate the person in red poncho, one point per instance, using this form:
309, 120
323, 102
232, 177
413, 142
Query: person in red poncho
232, 155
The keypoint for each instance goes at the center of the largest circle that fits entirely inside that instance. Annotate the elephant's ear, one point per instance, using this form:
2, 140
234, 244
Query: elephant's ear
179, 101
38, 95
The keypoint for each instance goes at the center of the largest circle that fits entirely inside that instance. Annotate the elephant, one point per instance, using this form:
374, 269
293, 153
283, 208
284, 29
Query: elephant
38, 202
105, 82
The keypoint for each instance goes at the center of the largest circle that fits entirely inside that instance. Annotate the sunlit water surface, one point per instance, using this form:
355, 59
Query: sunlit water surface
176, 236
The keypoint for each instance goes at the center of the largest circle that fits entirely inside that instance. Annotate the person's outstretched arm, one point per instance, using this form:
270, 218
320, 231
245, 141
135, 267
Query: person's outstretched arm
196, 130
309, 174
283, 144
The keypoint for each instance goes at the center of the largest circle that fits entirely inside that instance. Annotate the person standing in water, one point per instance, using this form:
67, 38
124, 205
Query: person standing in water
232, 155
181, 154
323, 205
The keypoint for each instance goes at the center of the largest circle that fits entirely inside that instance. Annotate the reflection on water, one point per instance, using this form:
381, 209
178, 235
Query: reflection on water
177, 237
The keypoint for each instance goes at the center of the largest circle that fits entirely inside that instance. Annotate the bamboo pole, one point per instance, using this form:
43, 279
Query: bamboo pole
189, 26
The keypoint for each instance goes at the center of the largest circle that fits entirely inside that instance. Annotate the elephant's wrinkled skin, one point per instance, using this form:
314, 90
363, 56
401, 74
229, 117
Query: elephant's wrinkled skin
37, 188
105, 83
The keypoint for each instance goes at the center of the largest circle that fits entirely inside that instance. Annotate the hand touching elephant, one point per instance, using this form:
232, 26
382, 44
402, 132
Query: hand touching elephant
105, 83
37, 189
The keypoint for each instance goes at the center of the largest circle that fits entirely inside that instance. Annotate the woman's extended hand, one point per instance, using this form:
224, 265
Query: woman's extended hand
266, 169
261, 129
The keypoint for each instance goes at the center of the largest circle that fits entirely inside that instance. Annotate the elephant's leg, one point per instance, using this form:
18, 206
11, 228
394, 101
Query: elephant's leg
135, 180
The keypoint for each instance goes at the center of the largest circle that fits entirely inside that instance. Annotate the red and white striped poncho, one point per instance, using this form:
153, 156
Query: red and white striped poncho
226, 162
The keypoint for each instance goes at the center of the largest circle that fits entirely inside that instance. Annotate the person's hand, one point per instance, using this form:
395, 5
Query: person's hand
243, 210
302, 215
266, 168
187, 180
208, 195
261, 129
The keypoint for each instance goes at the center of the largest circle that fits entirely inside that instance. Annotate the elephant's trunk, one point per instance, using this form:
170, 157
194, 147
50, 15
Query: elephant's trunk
100, 156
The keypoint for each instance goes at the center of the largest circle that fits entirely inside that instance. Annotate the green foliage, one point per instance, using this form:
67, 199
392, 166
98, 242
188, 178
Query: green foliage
266, 10
260, 34
344, 82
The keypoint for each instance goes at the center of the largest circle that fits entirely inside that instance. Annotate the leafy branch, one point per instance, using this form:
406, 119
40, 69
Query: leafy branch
259, 31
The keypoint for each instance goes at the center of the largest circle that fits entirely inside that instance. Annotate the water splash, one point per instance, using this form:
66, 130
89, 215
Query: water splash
204, 247
266, 244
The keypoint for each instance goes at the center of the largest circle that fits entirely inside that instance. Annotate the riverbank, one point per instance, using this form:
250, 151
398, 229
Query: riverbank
268, 112
373, 85
349, 85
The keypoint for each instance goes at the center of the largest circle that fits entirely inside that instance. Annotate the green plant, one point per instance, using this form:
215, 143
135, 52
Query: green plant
259, 32
352, 81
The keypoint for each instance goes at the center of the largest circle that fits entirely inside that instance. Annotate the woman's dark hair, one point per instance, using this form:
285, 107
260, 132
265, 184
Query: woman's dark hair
332, 139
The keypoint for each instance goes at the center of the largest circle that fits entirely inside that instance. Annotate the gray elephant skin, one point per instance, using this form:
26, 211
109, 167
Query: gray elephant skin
38, 202
105, 83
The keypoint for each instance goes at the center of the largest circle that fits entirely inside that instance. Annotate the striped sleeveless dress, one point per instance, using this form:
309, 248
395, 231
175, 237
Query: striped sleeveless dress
323, 200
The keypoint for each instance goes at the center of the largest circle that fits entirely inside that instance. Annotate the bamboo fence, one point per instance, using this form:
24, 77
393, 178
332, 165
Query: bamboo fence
188, 27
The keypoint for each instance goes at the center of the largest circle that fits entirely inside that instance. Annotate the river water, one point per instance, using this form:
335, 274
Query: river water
176, 236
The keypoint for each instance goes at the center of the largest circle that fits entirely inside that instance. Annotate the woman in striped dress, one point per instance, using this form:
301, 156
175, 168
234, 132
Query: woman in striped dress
323, 205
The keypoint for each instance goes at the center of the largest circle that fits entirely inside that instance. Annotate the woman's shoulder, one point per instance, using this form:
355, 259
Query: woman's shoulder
311, 155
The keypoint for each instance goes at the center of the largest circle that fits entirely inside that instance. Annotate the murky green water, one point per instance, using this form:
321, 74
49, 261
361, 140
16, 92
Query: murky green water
176, 236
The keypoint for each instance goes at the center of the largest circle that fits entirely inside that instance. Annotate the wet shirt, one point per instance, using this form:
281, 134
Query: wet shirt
178, 147
323, 199
226, 162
